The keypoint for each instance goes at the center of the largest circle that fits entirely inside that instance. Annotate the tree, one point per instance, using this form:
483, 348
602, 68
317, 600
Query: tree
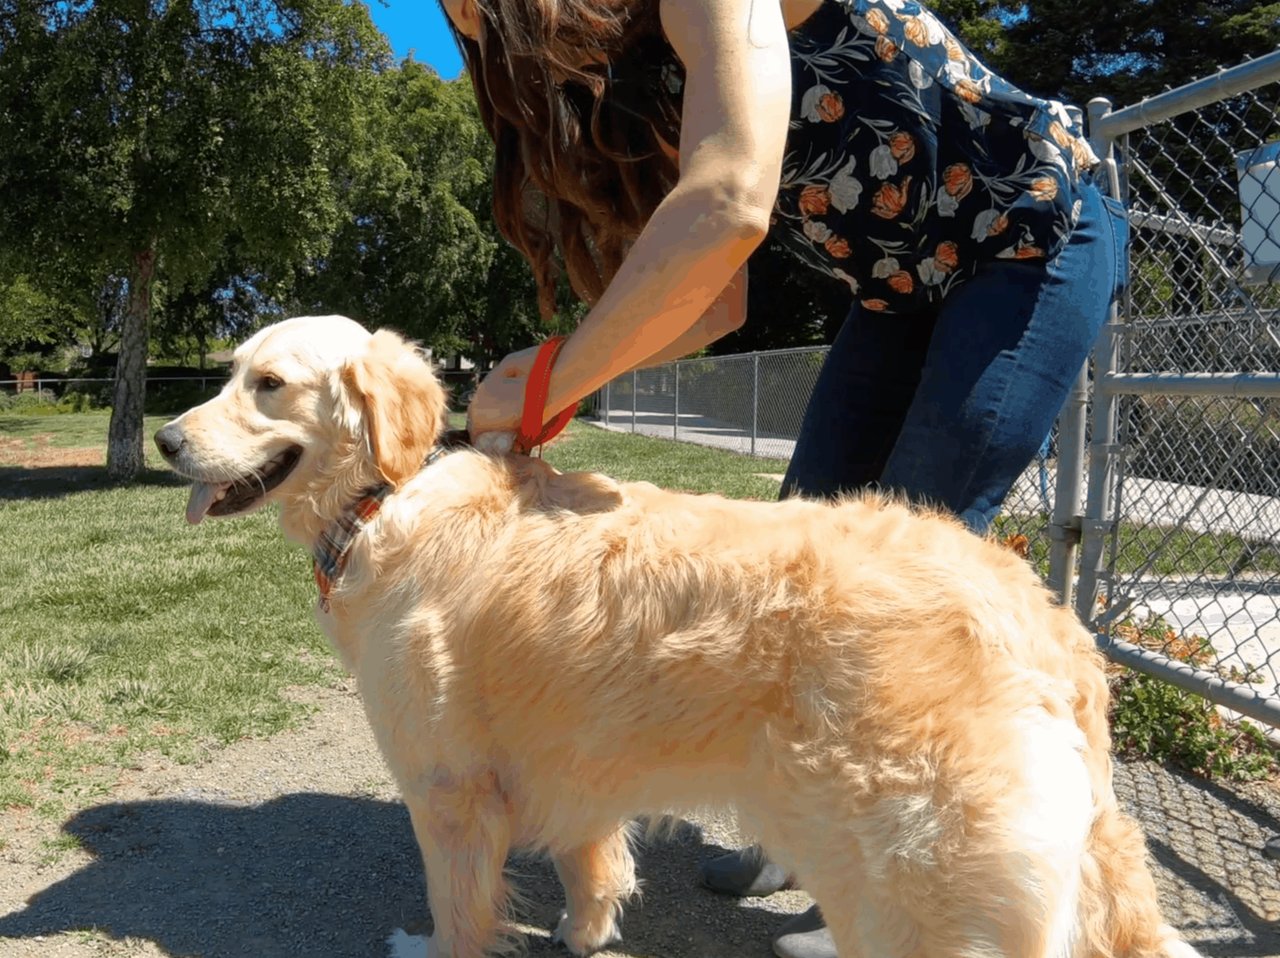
418, 249
143, 139
31, 317
1080, 49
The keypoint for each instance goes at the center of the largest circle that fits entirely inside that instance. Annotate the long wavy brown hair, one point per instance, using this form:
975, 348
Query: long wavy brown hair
579, 96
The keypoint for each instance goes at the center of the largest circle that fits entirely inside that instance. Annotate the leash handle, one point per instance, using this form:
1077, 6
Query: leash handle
534, 430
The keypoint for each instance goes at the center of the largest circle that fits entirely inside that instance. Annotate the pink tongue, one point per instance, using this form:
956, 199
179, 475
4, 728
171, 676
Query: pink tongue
203, 495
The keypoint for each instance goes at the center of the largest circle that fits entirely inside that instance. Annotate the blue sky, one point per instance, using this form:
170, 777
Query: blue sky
418, 26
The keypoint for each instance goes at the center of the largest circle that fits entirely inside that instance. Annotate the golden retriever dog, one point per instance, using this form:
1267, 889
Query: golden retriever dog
896, 708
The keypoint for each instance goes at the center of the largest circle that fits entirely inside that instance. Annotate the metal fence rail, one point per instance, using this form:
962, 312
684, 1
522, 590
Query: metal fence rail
1159, 492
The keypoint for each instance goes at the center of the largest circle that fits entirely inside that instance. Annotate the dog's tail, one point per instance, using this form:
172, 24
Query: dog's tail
1119, 906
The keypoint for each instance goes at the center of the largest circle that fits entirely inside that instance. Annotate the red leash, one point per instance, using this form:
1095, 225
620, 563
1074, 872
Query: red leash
534, 430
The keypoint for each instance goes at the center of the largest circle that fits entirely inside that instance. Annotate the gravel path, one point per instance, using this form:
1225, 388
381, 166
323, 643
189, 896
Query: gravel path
297, 846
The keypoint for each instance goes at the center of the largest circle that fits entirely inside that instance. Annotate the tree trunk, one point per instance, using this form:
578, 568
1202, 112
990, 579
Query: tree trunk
125, 455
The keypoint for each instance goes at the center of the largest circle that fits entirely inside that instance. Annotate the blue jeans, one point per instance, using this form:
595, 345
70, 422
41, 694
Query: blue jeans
950, 405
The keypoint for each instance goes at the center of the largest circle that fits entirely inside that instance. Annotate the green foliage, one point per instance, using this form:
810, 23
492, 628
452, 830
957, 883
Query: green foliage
29, 403
154, 141
30, 315
418, 249
45, 403
409, 248
1163, 722
74, 401
1079, 49
172, 399
1153, 718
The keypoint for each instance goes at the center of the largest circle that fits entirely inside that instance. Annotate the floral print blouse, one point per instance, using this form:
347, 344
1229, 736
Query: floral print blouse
908, 163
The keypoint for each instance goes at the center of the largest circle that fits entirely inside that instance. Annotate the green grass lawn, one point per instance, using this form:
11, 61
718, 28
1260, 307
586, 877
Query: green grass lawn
671, 465
124, 629
82, 429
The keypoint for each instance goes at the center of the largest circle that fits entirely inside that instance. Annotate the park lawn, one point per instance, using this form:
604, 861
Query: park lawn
61, 431
123, 629
681, 466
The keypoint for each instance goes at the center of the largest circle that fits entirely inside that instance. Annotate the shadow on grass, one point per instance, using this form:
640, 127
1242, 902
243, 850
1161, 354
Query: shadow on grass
317, 874
56, 482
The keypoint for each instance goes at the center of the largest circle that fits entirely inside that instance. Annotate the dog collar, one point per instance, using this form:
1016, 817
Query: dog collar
330, 552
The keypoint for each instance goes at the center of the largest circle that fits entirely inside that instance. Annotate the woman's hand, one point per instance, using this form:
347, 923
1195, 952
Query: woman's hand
498, 403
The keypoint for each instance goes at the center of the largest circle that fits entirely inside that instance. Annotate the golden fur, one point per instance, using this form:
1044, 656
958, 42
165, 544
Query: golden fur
896, 708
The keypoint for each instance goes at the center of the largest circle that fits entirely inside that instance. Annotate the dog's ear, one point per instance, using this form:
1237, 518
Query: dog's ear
401, 404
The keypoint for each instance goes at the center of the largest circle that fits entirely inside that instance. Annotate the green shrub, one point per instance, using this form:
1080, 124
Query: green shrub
175, 398
34, 403
1153, 718
1158, 720
75, 400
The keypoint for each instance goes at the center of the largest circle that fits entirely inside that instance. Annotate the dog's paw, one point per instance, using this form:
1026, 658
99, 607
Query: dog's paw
585, 938
404, 945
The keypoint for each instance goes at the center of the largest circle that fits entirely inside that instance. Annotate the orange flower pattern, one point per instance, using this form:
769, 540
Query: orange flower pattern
901, 281
815, 200
902, 193
830, 107
957, 180
902, 146
890, 200
838, 247
947, 256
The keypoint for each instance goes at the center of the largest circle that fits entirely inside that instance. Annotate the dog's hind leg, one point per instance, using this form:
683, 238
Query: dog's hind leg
464, 833
598, 877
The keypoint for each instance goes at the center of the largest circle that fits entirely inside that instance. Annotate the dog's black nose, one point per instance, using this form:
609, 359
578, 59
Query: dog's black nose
169, 440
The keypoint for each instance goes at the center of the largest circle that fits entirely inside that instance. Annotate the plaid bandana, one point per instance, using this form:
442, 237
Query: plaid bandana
330, 552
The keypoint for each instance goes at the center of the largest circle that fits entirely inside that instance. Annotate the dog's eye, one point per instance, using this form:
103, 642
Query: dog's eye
270, 382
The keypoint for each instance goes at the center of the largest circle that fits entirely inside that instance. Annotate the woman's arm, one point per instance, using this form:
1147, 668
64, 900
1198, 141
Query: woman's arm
737, 101
726, 315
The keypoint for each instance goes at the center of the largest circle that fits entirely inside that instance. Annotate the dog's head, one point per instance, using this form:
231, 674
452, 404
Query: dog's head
316, 410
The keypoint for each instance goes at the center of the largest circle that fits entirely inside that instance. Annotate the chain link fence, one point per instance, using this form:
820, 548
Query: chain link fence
753, 404
750, 403
1160, 485
1184, 491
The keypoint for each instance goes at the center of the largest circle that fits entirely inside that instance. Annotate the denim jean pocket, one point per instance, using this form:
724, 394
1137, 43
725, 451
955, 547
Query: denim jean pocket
1118, 217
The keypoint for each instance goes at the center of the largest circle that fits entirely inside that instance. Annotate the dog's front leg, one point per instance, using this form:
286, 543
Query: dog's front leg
598, 877
464, 833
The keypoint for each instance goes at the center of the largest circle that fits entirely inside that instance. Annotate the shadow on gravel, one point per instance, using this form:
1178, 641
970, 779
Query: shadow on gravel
1206, 839
331, 876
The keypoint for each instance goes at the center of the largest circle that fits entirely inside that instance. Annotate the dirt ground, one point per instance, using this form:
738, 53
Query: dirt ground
297, 845
39, 453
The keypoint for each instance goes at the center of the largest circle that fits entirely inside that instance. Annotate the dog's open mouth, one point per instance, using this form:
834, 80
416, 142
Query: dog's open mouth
229, 498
